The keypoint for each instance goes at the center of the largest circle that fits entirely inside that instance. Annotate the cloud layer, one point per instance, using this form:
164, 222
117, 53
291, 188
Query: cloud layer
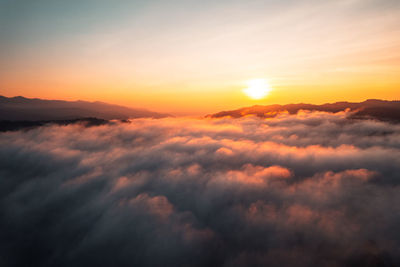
312, 189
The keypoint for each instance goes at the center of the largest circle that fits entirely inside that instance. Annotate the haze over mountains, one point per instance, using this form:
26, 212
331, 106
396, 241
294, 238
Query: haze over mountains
372, 108
32, 109
27, 109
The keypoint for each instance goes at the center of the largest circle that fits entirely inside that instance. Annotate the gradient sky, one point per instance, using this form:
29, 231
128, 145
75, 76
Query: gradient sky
194, 57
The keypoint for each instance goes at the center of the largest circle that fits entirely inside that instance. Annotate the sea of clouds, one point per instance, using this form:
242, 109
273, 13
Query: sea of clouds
312, 189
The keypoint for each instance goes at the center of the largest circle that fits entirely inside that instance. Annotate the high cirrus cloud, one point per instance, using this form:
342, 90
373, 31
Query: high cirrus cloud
312, 189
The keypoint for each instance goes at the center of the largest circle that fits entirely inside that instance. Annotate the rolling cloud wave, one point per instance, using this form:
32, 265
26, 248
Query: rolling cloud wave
297, 190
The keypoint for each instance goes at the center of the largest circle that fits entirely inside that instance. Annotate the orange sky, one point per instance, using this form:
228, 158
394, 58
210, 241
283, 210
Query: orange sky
186, 57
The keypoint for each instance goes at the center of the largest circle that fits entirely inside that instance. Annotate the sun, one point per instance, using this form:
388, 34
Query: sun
257, 89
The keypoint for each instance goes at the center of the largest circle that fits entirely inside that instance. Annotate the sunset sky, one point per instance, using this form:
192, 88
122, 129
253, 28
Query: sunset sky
209, 166
196, 57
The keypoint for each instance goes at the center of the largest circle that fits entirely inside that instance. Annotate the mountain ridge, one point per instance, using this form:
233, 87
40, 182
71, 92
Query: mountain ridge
20, 108
371, 108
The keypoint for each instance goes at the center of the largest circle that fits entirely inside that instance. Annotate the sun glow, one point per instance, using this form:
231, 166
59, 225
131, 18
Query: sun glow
257, 89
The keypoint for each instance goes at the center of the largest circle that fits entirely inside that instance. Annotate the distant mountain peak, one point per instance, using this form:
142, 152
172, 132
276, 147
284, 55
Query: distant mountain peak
371, 108
33, 109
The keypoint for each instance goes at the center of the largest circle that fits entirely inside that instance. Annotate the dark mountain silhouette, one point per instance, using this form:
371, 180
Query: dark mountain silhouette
372, 108
27, 109
6, 126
